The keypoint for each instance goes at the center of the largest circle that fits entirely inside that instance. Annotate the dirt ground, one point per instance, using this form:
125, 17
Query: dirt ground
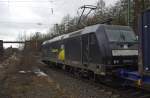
21, 78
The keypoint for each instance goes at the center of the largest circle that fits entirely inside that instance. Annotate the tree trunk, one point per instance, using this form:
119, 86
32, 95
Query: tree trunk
137, 11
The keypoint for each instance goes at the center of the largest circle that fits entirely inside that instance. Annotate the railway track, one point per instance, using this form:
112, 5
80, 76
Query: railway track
111, 90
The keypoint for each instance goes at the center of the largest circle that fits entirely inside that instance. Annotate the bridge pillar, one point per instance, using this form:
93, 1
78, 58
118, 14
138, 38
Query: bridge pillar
1, 48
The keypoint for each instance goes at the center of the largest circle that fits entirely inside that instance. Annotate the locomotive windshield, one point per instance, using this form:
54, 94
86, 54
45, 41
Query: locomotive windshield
120, 34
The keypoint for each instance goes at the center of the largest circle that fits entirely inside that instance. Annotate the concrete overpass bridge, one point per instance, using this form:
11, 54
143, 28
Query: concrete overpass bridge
15, 42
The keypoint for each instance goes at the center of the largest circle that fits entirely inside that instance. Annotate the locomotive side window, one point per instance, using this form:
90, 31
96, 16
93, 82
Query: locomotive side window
92, 39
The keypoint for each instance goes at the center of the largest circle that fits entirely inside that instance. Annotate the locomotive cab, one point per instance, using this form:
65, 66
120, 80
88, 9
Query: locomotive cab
123, 46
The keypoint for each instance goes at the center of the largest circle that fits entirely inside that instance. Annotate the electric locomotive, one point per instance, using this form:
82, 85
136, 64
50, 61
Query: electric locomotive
100, 49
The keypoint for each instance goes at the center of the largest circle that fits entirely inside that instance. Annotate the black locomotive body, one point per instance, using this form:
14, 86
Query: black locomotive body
99, 48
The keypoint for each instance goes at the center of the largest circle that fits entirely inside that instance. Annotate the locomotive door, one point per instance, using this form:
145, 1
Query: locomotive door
85, 49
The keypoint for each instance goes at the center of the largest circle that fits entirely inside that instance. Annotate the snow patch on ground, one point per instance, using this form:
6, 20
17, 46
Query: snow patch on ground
39, 73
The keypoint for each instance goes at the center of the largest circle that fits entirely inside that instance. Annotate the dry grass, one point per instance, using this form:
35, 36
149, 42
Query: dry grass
27, 85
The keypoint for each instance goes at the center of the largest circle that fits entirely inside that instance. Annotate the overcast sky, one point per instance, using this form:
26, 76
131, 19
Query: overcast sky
19, 16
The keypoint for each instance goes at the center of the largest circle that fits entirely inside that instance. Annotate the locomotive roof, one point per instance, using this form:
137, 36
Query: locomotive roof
82, 31
88, 29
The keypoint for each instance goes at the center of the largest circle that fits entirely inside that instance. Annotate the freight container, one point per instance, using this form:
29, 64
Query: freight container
144, 35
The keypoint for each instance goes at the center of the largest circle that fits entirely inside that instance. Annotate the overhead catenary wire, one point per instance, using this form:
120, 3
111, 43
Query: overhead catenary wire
10, 1
28, 23
29, 7
36, 23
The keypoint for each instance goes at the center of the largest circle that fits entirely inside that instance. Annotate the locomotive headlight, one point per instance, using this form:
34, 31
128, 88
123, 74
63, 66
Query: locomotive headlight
116, 61
124, 52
